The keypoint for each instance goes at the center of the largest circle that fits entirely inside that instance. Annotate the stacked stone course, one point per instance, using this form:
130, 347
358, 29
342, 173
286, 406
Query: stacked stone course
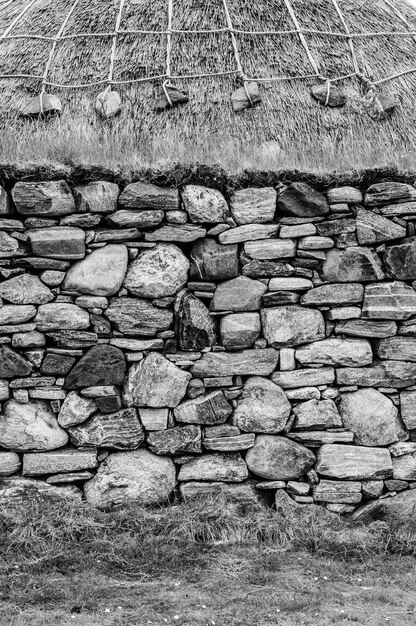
159, 341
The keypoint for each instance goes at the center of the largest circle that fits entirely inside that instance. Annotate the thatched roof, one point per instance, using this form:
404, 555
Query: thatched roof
209, 61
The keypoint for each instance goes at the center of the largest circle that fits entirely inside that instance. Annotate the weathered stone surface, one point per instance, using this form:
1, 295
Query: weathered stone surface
213, 261
204, 204
397, 349
128, 477
80, 220
155, 382
61, 316
120, 431
208, 409
194, 327
9, 463
135, 219
181, 439
289, 326
355, 264
315, 242
402, 447
397, 510
59, 242
70, 477
349, 195
345, 492
239, 330
334, 295
278, 458
158, 272
314, 415
290, 284
245, 363
266, 249
16, 314
329, 95
238, 294
101, 273
389, 193
30, 426
372, 417
43, 198
336, 351
400, 260
265, 269
297, 230
238, 493
332, 228
57, 364
96, 197
252, 205
181, 233
12, 364
262, 407
229, 444
37, 463
366, 328
384, 374
250, 233
73, 339
245, 97
154, 419
316, 438
280, 298
372, 488
345, 462
132, 316
408, 408
373, 228
395, 300
75, 410
25, 289
304, 378
42, 106
9, 246
144, 196
301, 200
213, 467
17, 491
404, 467
101, 365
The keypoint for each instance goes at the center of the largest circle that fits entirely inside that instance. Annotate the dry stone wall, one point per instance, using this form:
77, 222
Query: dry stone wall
159, 341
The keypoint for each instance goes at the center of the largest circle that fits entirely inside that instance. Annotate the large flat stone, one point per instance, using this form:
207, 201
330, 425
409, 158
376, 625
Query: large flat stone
155, 382
345, 492
213, 261
38, 463
304, 378
239, 493
289, 326
268, 249
398, 374
344, 462
131, 477
374, 229
334, 295
59, 242
262, 407
181, 439
133, 316
121, 430
215, 467
355, 264
278, 458
204, 204
336, 351
30, 426
248, 233
301, 200
97, 197
18, 491
238, 294
389, 193
245, 363
25, 289
61, 316
266, 269
252, 205
16, 314
400, 260
135, 219
145, 196
394, 301
101, 273
208, 409
397, 349
101, 365
316, 415
240, 330
158, 272
372, 417
46, 199
366, 328
176, 233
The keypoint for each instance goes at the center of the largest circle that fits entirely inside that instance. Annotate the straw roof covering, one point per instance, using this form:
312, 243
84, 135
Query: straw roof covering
209, 48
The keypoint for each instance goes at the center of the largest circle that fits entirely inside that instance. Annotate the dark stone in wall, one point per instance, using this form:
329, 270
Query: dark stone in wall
101, 365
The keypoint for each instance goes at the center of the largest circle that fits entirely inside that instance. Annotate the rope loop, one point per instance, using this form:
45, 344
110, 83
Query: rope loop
165, 85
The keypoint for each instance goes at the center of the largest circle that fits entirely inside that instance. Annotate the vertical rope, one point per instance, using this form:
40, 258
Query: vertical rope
168, 52
349, 38
230, 28
17, 18
302, 37
114, 45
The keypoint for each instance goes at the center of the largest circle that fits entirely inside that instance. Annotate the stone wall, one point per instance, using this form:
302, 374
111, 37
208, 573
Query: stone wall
158, 341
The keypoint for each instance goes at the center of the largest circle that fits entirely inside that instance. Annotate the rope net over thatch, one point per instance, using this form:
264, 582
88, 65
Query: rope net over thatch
315, 68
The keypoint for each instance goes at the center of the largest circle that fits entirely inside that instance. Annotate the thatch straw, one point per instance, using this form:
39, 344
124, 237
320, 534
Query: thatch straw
381, 46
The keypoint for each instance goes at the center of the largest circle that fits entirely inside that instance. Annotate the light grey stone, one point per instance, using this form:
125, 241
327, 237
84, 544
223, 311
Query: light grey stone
159, 272
278, 458
397, 374
389, 301
238, 294
336, 351
145, 196
374, 229
204, 204
239, 330
253, 205
46, 199
208, 409
30, 426
215, 467
178, 440
246, 363
132, 316
334, 295
262, 407
101, 273
366, 328
344, 462
135, 219
25, 289
176, 233
96, 197
289, 326
61, 316
355, 264
75, 410
9, 463
267, 249
251, 233
58, 242
17, 491
315, 415
344, 492
397, 349
121, 430
304, 378
68, 460
408, 408
16, 314
404, 467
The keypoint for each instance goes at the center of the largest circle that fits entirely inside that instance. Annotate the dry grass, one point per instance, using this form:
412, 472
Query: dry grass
203, 563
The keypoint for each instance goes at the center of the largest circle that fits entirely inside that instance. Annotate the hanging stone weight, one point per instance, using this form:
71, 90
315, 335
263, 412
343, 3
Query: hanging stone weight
45, 105
176, 97
378, 106
329, 95
245, 97
108, 104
